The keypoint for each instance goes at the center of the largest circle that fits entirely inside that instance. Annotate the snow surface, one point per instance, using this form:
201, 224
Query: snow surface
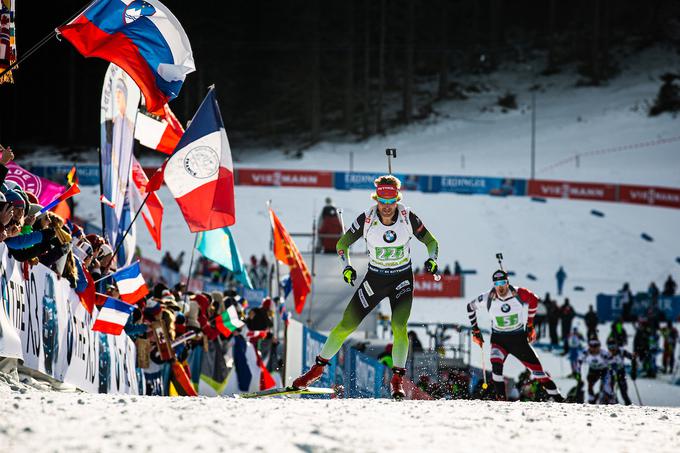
56, 422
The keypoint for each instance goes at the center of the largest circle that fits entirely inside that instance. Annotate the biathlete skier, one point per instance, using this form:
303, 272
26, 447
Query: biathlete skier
387, 229
512, 331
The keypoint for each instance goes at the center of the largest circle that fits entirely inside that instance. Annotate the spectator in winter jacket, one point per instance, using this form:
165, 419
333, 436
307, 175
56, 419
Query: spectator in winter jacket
561, 276
553, 320
669, 287
540, 320
653, 292
626, 296
591, 323
566, 317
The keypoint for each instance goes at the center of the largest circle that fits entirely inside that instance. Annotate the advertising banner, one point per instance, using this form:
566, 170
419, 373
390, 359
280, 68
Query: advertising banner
88, 174
654, 196
312, 343
448, 286
611, 307
283, 178
364, 180
55, 332
571, 190
478, 185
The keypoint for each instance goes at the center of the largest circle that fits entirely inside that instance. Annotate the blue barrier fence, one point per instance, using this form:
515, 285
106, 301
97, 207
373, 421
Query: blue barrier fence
360, 375
611, 307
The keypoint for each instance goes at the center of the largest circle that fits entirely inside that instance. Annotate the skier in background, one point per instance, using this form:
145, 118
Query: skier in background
597, 361
387, 228
576, 350
617, 369
512, 312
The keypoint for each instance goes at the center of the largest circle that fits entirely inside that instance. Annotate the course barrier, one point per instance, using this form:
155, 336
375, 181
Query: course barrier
44, 325
538, 189
611, 306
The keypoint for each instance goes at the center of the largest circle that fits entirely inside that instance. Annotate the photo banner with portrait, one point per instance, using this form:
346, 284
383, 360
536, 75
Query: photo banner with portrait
120, 99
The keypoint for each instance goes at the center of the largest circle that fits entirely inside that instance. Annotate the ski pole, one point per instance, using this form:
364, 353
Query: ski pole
637, 392
499, 257
342, 225
484, 384
390, 152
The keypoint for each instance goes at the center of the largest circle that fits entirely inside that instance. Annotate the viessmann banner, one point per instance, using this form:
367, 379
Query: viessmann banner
43, 323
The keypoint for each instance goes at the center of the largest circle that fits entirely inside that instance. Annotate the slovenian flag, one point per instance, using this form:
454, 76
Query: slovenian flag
228, 321
143, 38
113, 316
200, 173
131, 284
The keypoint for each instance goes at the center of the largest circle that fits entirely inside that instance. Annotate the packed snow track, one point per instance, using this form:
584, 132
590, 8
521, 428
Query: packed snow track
61, 422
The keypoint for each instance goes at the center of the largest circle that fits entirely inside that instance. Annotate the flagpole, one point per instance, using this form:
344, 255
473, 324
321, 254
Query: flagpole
42, 42
120, 242
101, 192
191, 265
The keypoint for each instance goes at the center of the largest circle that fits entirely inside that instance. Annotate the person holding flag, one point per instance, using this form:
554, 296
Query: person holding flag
387, 228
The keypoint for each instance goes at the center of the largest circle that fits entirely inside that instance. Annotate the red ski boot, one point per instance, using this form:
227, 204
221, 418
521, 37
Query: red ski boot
311, 376
396, 386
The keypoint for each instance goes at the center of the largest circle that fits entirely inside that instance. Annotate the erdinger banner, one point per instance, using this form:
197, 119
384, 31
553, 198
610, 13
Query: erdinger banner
55, 332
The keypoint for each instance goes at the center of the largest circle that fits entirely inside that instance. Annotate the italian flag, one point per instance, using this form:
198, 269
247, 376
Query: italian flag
228, 321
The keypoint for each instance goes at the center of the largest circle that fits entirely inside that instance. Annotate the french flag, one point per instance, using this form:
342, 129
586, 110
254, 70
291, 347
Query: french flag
200, 173
113, 316
131, 284
143, 38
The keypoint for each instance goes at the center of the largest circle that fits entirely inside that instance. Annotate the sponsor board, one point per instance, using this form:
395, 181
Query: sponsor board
571, 190
55, 332
654, 196
478, 185
611, 306
448, 286
283, 178
365, 180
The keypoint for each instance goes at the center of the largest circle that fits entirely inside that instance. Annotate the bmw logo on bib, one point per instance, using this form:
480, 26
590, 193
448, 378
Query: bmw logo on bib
505, 308
390, 236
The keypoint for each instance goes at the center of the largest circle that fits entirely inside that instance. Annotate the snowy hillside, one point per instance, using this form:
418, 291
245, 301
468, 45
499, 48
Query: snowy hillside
225, 424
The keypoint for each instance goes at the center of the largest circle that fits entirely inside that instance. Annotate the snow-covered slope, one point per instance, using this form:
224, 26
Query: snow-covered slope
38, 422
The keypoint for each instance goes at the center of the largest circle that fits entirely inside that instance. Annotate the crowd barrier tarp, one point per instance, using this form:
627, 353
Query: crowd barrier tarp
611, 306
283, 178
312, 343
654, 196
360, 375
88, 174
448, 286
55, 332
365, 180
478, 185
572, 190
644, 195
367, 378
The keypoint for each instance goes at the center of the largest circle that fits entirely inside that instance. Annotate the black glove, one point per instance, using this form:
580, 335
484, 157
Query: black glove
431, 266
349, 275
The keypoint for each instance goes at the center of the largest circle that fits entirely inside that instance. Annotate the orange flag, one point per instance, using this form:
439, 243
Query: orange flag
287, 252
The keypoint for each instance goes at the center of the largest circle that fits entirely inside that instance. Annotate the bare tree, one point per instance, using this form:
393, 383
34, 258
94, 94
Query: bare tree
409, 64
315, 73
367, 71
444, 54
381, 71
349, 70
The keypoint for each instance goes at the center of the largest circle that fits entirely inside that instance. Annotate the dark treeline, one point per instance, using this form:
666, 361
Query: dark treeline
308, 68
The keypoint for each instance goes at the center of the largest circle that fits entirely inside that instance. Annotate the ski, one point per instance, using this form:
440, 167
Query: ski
285, 391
